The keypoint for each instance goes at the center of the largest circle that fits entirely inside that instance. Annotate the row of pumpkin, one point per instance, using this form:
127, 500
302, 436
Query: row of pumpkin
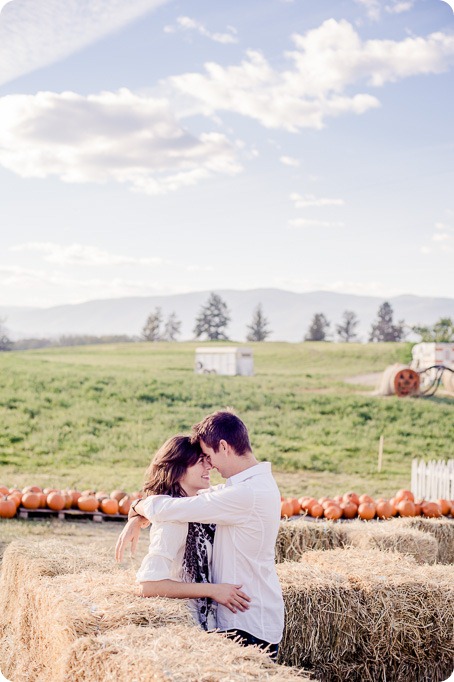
34, 497
350, 506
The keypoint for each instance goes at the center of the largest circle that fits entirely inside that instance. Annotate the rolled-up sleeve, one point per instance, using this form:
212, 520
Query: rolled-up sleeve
228, 506
166, 542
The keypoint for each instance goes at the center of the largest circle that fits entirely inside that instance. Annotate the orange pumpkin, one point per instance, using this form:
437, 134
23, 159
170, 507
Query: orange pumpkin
385, 509
296, 506
86, 493
42, 500
431, 510
286, 508
332, 512
351, 497
118, 495
349, 510
87, 503
55, 501
31, 500
316, 510
32, 489
366, 511
8, 507
16, 498
418, 507
101, 495
321, 500
109, 506
124, 505
404, 495
406, 508
338, 499
75, 494
308, 504
366, 498
301, 500
445, 506
327, 503
4, 490
48, 491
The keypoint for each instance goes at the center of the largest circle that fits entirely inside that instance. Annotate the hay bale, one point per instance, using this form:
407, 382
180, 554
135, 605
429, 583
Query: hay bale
49, 605
171, 653
441, 529
296, 537
368, 615
390, 536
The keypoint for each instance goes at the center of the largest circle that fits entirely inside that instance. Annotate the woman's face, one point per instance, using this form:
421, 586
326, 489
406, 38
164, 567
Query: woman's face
196, 476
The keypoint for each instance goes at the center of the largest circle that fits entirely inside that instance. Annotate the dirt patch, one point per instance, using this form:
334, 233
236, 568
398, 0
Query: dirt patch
365, 379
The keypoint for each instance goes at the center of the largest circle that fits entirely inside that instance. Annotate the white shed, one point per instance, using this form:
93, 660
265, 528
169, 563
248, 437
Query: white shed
228, 360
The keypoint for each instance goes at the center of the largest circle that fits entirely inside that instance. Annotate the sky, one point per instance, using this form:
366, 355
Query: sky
157, 147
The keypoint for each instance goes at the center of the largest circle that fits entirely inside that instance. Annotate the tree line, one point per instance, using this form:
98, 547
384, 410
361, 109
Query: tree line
214, 316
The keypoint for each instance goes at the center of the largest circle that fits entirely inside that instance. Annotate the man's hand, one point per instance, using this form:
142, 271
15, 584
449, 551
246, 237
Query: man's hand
129, 535
231, 596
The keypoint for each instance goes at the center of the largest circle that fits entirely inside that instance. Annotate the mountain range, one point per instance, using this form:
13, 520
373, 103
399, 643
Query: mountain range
289, 314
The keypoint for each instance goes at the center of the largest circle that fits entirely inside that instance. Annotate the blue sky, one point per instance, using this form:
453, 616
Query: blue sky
155, 147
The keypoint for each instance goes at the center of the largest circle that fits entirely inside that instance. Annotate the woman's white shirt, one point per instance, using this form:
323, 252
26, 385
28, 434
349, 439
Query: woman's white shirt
164, 559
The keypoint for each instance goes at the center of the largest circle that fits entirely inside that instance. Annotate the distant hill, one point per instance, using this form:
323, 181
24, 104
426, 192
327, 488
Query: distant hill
289, 313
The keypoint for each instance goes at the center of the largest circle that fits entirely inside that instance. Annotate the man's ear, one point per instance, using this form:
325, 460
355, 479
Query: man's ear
223, 445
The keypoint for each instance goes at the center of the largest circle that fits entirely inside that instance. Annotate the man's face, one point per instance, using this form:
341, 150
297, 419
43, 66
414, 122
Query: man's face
217, 459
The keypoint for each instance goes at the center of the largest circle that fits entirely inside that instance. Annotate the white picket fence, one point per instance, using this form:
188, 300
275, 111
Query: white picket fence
432, 480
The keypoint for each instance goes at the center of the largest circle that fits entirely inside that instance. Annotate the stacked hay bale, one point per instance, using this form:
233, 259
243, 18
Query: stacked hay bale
441, 529
65, 607
296, 537
390, 536
368, 615
171, 653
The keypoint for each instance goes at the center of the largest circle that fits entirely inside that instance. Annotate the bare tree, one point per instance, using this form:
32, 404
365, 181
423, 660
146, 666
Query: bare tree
384, 328
346, 330
152, 328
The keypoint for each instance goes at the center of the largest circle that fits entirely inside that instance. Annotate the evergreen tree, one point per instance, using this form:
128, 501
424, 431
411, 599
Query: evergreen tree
152, 328
5, 341
441, 332
258, 329
318, 328
384, 328
346, 330
212, 320
172, 328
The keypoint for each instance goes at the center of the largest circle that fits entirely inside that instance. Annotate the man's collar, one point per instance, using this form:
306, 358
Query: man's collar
255, 470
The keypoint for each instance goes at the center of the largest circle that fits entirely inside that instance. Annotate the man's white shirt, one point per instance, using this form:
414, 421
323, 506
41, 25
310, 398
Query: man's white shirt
246, 510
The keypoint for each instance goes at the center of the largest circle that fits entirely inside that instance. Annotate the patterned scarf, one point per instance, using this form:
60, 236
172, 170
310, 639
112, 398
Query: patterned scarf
197, 569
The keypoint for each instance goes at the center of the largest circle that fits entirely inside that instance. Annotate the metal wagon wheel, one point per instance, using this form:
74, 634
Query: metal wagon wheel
406, 382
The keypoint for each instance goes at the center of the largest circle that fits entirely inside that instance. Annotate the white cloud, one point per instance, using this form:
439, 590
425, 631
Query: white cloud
111, 136
442, 240
82, 254
372, 8
309, 200
305, 222
326, 63
289, 161
399, 6
187, 24
35, 34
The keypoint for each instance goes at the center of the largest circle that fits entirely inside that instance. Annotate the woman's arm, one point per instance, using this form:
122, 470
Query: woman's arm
228, 595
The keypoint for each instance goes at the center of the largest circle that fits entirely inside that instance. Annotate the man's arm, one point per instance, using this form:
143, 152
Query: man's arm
229, 506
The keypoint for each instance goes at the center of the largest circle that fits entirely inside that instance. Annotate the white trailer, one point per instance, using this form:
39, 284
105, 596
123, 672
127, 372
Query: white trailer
227, 360
427, 354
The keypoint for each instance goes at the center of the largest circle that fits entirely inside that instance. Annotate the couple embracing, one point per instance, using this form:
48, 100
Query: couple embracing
212, 545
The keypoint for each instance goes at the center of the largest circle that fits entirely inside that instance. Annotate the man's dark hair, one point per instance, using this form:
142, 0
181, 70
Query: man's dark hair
222, 425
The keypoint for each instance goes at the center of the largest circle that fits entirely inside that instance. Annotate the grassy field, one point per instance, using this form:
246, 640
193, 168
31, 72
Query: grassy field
93, 416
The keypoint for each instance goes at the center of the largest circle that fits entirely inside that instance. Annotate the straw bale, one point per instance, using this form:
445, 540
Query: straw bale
296, 537
171, 653
393, 617
441, 529
46, 612
391, 537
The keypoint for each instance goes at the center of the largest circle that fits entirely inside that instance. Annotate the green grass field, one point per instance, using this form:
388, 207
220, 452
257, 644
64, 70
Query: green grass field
92, 416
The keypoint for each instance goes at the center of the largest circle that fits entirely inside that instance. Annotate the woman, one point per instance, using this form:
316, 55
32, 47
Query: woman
178, 563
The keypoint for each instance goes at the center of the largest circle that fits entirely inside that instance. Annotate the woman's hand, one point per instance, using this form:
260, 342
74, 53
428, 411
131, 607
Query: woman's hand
129, 535
230, 596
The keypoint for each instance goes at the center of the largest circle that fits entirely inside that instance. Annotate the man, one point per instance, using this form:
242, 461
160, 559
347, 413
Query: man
246, 510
